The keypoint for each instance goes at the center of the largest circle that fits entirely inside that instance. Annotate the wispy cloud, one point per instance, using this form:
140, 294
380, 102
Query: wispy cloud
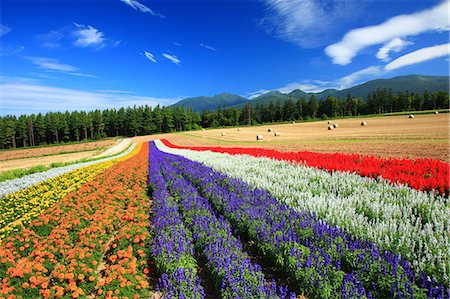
177, 44
395, 45
172, 58
309, 23
20, 97
78, 35
208, 47
150, 56
141, 7
88, 36
50, 64
315, 86
7, 49
400, 26
51, 39
4, 29
418, 56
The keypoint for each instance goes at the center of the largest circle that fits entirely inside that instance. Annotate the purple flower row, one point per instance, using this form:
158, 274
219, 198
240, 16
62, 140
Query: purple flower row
236, 276
172, 247
323, 260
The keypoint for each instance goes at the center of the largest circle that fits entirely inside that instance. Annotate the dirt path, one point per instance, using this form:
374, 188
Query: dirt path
425, 136
122, 145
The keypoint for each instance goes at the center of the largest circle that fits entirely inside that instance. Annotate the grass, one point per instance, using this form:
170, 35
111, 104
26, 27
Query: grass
18, 173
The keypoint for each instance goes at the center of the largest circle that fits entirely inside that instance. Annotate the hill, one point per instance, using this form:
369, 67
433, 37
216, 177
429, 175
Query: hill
411, 83
211, 103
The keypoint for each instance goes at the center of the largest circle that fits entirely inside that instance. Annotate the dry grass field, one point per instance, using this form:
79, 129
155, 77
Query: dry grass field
26, 158
55, 150
424, 136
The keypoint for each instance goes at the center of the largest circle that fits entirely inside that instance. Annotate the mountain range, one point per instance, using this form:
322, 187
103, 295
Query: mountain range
411, 83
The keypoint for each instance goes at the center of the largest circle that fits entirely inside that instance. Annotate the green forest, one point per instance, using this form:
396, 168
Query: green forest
61, 127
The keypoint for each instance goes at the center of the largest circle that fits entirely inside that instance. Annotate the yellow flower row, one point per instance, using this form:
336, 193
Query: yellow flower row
20, 208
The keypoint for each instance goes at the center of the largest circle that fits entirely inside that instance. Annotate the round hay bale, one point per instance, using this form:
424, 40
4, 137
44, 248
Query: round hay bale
435, 112
276, 134
259, 137
269, 130
203, 129
293, 122
223, 134
329, 122
336, 126
330, 128
239, 129
363, 123
411, 116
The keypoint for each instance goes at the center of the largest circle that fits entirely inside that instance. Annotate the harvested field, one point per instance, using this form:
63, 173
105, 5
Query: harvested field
55, 150
425, 136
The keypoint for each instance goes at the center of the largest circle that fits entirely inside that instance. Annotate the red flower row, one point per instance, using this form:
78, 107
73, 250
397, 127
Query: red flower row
420, 174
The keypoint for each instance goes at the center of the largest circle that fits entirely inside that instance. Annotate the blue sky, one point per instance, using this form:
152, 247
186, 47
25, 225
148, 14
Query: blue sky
65, 55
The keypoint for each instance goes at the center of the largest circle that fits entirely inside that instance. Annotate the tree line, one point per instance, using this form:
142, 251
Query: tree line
61, 127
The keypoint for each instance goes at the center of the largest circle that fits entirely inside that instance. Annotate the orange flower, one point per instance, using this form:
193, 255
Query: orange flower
91, 278
25, 285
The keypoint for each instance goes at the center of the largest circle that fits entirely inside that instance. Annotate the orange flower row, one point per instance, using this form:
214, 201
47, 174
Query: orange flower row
93, 242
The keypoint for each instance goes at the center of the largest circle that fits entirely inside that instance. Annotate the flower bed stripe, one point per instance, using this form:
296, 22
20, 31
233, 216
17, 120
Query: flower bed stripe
406, 221
420, 174
92, 244
235, 274
20, 208
172, 247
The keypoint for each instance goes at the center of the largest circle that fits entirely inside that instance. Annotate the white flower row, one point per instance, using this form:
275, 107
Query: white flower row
14, 185
399, 218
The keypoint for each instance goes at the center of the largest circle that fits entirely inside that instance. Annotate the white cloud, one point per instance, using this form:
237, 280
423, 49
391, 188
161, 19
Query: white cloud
7, 49
150, 56
309, 23
356, 77
140, 7
208, 47
177, 44
50, 64
395, 45
418, 56
172, 58
88, 36
396, 27
19, 97
4, 29
315, 86
51, 39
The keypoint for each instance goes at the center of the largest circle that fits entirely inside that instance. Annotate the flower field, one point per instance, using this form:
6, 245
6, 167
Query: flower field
172, 222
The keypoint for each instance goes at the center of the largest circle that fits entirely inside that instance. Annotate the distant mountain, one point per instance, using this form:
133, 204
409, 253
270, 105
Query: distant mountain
211, 103
411, 83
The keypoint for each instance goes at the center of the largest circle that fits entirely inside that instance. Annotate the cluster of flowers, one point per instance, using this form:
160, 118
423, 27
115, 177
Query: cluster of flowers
405, 221
20, 208
93, 243
420, 174
322, 260
15, 185
172, 245
235, 274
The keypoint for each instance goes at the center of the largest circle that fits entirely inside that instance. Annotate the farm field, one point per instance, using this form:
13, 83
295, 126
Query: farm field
47, 155
152, 224
425, 136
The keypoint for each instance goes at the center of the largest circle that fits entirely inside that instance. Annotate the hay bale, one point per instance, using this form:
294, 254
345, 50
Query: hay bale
435, 112
259, 137
269, 130
330, 128
223, 134
203, 129
329, 122
276, 134
336, 126
239, 129
363, 123
293, 122
411, 116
